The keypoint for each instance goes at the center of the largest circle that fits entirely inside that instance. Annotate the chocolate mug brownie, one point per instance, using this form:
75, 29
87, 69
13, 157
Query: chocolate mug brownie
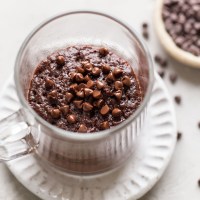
84, 89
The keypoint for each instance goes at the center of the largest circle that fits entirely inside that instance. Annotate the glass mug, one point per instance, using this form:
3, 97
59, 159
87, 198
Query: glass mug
26, 132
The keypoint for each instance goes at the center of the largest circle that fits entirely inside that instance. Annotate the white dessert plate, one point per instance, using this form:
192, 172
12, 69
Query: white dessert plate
153, 151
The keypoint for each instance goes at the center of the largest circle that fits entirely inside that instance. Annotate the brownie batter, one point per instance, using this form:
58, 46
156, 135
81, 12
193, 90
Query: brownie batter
84, 89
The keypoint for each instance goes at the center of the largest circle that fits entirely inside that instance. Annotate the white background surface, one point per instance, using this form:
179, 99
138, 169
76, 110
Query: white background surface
19, 17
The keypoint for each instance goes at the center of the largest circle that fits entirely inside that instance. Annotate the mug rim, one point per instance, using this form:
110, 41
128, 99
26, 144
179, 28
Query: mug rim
74, 135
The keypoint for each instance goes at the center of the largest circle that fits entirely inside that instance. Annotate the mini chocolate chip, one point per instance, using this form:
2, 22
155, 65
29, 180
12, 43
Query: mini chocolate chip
117, 72
105, 110
104, 125
87, 66
90, 84
97, 94
55, 113
161, 73
80, 94
65, 109
79, 77
53, 97
87, 78
68, 96
118, 85
82, 128
106, 69
157, 59
96, 71
110, 77
49, 84
71, 119
80, 70
199, 182
118, 94
81, 86
177, 99
100, 85
126, 81
144, 25
73, 87
145, 34
72, 75
87, 106
103, 52
163, 63
78, 103
179, 136
60, 60
100, 103
88, 92
173, 78
116, 112
199, 124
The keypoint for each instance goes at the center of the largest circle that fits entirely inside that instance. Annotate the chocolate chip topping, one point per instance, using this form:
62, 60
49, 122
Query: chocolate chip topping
82, 128
103, 52
90, 91
105, 110
71, 119
87, 107
60, 60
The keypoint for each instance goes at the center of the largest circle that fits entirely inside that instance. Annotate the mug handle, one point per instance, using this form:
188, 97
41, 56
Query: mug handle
16, 137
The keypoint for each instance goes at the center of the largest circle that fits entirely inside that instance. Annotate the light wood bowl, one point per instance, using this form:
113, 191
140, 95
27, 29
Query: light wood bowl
168, 43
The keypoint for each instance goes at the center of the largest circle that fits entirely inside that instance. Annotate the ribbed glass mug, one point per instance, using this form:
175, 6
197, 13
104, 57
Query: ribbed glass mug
26, 132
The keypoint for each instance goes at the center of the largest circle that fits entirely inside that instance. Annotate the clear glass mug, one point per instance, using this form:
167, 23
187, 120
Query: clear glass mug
26, 132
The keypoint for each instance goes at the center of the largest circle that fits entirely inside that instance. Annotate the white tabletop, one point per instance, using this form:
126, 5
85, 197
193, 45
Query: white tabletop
18, 18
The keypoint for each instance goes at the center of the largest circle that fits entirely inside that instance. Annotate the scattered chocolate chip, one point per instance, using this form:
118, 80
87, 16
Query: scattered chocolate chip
157, 59
110, 77
60, 60
49, 84
97, 94
116, 112
199, 124
144, 25
173, 78
55, 113
78, 103
96, 71
103, 52
88, 92
100, 85
65, 109
118, 94
71, 119
145, 34
82, 129
118, 85
87, 106
80, 94
117, 72
80, 70
163, 63
79, 77
199, 182
161, 73
179, 136
106, 69
126, 81
105, 125
177, 99
105, 110
68, 96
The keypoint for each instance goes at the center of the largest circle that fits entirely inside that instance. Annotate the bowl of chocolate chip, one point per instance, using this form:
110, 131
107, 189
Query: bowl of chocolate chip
177, 23
84, 80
